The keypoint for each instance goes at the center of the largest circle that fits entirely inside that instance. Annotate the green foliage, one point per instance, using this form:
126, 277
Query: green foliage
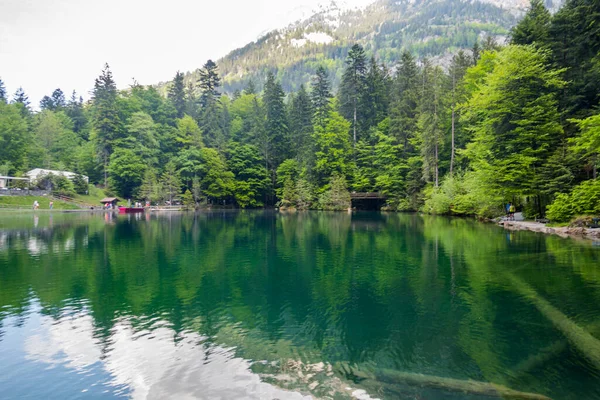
332, 146
583, 200
13, 136
126, 170
336, 196
514, 119
80, 185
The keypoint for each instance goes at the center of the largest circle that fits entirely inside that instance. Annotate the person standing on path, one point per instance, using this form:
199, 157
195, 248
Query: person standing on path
51, 205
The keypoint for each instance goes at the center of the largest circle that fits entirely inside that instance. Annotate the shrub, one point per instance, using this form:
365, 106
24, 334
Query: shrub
584, 199
337, 196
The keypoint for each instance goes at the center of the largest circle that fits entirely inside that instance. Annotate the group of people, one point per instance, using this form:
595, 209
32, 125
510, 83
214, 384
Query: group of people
36, 205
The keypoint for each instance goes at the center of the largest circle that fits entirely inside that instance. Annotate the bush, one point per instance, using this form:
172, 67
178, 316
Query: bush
583, 200
80, 185
337, 196
463, 194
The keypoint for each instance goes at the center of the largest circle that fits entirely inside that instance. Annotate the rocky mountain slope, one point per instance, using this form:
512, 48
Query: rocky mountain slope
385, 28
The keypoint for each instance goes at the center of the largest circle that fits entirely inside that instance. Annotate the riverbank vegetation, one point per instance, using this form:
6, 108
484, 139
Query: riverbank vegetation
515, 123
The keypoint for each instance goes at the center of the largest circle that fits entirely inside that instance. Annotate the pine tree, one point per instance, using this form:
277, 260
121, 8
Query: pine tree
276, 127
404, 104
430, 121
177, 94
75, 111
107, 123
3, 97
211, 108
321, 96
475, 52
58, 98
301, 126
23, 100
353, 86
534, 27
375, 97
209, 83
250, 87
47, 103
191, 101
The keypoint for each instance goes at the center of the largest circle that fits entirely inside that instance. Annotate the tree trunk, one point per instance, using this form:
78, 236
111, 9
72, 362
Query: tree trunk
355, 123
453, 122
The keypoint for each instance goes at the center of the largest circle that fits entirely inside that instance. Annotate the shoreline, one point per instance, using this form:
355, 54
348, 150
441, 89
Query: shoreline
564, 232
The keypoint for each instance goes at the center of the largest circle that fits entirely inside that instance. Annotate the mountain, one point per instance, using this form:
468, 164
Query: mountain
385, 28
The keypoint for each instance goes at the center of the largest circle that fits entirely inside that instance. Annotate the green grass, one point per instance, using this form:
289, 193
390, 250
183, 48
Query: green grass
26, 202
93, 197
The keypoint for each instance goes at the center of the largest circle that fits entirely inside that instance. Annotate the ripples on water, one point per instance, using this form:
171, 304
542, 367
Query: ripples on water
261, 305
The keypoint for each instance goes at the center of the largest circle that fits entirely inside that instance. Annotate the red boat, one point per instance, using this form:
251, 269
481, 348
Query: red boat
131, 210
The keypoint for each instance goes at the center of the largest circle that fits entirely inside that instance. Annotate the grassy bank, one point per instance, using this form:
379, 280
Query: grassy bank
26, 202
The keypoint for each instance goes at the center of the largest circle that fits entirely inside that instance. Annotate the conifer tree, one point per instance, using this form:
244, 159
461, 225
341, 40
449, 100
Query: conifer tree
300, 121
3, 97
353, 86
321, 96
430, 121
276, 127
106, 123
211, 121
177, 94
58, 98
534, 27
250, 87
23, 100
75, 111
375, 97
404, 104
191, 101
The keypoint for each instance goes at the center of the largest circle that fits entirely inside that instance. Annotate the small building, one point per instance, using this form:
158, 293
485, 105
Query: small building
38, 173
113, 201
5, 181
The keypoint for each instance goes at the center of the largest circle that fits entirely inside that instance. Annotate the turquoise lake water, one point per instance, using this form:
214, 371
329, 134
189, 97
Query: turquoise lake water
265, 305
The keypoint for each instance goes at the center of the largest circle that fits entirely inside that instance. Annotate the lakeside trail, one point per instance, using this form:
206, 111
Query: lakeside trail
565, 232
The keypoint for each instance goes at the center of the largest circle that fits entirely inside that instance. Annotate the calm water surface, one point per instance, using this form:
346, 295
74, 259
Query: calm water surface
260, 305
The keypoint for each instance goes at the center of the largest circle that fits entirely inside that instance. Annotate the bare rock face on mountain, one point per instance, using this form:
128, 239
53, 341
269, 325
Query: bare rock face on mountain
385, 28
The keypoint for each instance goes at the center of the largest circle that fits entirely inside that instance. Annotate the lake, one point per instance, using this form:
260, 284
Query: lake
266, 305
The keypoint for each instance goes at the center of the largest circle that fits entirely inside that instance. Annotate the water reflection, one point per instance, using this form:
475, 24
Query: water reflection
264, 305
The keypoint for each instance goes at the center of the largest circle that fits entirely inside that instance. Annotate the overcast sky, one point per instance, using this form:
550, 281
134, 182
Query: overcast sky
45, 44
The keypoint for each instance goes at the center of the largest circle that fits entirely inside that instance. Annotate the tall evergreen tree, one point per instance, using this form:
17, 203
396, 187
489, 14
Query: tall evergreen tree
209, 83
353, 86
191, 101
211, 121
301, 125
3, 96
534, 27
58, 98
107, 122
404, 104
23, 100
430, 121
75, 111
321, 96
250, 87
276, 127
177, 94
375, 97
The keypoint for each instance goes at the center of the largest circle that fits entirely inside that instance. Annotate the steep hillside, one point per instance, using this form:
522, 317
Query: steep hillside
427, 28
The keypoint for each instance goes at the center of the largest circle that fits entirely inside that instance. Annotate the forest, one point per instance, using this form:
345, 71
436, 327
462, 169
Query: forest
513, 123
